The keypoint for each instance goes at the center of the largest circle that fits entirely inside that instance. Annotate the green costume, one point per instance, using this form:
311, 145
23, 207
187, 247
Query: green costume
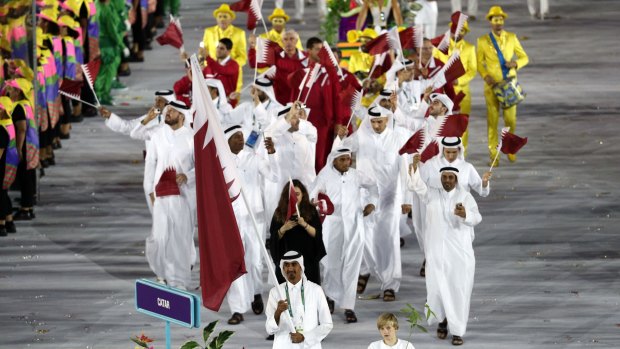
173, 5
111, 46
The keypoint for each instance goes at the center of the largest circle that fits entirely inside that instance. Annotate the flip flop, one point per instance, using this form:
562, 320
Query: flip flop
362, 281
350, 316
389, 296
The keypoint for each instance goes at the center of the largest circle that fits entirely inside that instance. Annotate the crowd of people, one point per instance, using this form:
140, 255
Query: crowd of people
326, 134
63, 36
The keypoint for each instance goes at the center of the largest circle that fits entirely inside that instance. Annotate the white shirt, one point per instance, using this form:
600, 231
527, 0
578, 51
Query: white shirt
400, 344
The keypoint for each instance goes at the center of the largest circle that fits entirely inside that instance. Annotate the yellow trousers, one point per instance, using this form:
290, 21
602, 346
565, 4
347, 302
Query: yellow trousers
465, 109
510, 119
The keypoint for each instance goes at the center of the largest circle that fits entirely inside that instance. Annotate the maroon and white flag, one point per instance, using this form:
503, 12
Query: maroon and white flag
71, 88
253, 8
431, 150
511, 143
442, 42
217, 185
414, 143
173, 35
453, 125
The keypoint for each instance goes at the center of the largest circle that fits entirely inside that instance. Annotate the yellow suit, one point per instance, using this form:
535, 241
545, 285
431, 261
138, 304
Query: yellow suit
360, 61
488, 65
213, 35
468, 58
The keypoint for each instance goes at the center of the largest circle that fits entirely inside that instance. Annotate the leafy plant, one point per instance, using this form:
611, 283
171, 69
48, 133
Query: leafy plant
331, 23
216, 343
414, 318
143, 341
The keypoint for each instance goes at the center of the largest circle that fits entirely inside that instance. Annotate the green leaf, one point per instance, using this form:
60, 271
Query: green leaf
208, 330
190, 345
139, 342
422, 328
223, 337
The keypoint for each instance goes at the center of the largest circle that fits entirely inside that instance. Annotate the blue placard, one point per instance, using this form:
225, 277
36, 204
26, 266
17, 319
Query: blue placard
166, 303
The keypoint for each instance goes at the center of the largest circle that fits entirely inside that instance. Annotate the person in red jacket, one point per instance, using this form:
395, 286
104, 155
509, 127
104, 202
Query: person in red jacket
183, 87
287, 61
225, 69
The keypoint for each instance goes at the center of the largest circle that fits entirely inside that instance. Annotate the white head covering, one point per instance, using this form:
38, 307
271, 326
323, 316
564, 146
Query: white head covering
213, 82
293, 256
231, 130
266, 86
450, 169
184, 109
168, 95
338, 152
452, 143
445, 100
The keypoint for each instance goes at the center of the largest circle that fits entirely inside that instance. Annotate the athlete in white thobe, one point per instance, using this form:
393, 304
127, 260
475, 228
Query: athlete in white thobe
376, 146
300, 319
343, 230
450, 217
252, 168
170, 247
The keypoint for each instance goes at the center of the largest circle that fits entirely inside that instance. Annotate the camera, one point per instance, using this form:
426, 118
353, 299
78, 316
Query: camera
294, 218
157, 111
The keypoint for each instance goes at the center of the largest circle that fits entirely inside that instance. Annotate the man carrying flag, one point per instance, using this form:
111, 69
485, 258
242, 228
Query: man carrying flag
221, 248
169, 180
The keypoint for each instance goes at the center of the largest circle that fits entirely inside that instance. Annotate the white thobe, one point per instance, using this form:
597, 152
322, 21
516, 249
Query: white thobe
126, 127
343, 230
256, 118
170, 248
427, 17
409, 102
377, 156
469, 179
400, 344
224, 109
252, 169
314, 317
295, 153
450, 260
472, 6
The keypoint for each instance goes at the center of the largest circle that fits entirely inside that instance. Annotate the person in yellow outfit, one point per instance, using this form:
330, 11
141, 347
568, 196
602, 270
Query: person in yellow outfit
360, 62
278, 19
468, 58
493, 72
224, 29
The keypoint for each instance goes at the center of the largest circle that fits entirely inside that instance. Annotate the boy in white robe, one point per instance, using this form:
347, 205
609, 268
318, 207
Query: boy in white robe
451, 214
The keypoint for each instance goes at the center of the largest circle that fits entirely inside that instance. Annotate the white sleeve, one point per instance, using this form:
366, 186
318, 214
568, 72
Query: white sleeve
116, 124
269, 168
308, 130
142, 132
370, 184
472, 215
415, 183
316, 335
150, 165
270, 324
475, 182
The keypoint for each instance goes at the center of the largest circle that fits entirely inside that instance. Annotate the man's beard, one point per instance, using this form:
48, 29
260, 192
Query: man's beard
171, 122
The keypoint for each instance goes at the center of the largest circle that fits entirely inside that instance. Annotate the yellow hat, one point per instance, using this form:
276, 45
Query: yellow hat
6, 104
50, 14
5, 44
224, 8
353, 35
66, 21
278, 12
369, 33
496, 11
21, 84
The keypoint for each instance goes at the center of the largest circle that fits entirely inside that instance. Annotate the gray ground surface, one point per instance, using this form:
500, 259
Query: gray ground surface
548, 260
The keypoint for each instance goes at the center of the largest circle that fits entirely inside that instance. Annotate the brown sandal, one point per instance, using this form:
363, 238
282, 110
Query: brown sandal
389, 296
457, 340
362, 281
349, 316
442, 330
235, 319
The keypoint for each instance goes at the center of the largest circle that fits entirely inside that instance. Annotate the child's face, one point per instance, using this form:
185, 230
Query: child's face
388, 332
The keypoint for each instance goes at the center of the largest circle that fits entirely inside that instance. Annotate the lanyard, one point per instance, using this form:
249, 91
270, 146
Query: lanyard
288, 300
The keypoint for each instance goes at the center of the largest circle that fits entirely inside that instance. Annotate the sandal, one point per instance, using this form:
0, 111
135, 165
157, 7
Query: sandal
235, 319
350, 316
457, 340
257, 305
423, 269
362, 281
442, 330
389, 296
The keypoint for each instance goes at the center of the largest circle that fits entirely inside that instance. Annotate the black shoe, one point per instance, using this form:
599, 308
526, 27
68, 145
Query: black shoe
402, 242
269, 337
75, 119
124, 72
257, 304
45, 164
148, 47
56, 145
31, 212
51, 161
23, 215
10, 227
235, 319
64, 136
3, 231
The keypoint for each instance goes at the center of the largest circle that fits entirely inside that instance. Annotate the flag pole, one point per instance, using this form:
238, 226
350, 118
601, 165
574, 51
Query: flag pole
290, 181
79, 100
267, 258
495, 159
